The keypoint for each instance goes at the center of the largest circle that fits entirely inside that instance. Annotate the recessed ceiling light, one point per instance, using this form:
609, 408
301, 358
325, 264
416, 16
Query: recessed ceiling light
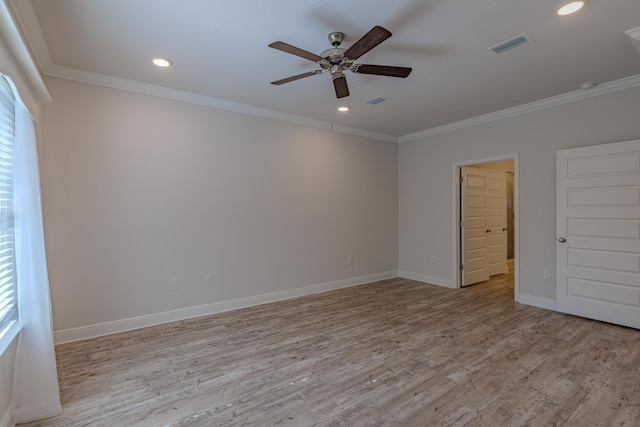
567, 8
162, 62
344, 108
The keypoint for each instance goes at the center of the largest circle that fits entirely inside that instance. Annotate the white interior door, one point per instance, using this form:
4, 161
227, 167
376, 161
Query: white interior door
598, 248
497, 222
474, 231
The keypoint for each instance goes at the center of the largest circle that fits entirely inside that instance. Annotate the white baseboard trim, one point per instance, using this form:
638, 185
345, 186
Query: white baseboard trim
447, 283
6, 420
123, 325
548, 303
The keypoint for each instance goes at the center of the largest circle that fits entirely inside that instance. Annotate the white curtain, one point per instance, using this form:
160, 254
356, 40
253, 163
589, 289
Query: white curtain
35, 384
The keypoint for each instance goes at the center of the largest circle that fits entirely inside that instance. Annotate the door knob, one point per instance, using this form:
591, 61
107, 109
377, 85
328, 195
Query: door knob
504, 229
488, 230
562, 240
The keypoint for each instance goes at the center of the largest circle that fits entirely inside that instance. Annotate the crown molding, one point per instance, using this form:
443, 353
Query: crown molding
554, 101
17, 47
69, 73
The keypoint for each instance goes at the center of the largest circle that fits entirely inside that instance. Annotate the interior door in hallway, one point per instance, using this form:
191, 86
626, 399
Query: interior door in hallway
474, 226
598, 232
496, 222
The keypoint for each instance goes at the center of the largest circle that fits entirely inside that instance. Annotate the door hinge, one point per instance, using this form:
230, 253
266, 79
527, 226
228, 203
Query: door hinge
461, 223
461, 179
461, 267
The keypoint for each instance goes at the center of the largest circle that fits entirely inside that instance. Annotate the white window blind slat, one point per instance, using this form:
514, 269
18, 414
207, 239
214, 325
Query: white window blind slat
8, 314
6, 277
5, 288
6, 300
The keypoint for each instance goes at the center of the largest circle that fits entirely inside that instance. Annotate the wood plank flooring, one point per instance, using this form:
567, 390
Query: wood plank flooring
391, 353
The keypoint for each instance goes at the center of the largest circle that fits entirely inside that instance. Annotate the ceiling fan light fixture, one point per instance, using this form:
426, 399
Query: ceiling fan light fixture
571, 7
162, 62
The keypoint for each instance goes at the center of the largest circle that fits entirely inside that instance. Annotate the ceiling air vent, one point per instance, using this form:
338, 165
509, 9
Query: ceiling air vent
376, 100
518, 41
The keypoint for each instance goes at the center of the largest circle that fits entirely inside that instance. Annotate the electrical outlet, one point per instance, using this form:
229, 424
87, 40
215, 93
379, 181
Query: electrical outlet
547, 275
208, 279
173, 284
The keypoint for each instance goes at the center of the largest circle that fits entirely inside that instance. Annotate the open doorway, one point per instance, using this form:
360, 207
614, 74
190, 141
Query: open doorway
486, 229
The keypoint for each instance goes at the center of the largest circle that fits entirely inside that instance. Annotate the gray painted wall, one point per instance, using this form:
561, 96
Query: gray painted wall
426, 181
138, 190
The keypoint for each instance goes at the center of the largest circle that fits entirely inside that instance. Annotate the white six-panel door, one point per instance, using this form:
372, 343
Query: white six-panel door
598, 232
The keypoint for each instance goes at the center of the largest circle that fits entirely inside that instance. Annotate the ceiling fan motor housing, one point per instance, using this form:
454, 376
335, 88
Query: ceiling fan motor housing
336, 38
333, 59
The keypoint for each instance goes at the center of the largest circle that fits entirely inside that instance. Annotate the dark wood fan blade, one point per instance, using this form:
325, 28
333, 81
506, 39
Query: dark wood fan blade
383, 70
340, 84
370, 40
296, 77
295, 51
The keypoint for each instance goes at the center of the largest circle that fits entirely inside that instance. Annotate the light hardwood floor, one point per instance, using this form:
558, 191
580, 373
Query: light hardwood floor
390, 353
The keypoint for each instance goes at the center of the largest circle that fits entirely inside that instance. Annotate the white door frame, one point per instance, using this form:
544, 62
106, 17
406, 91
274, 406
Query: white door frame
516, 211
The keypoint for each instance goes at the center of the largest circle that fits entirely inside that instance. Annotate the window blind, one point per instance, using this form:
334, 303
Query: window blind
8, 288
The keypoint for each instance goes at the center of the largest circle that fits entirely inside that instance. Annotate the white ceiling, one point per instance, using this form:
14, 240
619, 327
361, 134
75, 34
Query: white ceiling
219, 49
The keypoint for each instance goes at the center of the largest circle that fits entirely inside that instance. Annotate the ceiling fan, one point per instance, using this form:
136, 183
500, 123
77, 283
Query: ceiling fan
337, 60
